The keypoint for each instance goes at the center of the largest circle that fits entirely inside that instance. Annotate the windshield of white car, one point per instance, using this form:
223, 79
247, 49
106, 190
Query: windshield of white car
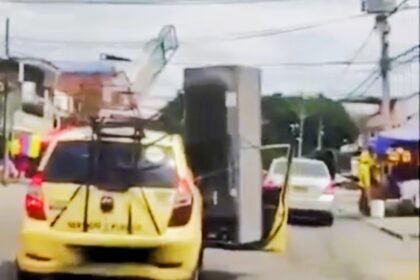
302, 169
70, 163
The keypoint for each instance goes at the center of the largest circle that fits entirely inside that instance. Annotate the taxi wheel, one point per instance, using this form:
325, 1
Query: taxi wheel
21, 275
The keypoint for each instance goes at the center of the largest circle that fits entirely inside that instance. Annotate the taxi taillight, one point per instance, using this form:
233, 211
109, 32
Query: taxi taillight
182, 209
34, 202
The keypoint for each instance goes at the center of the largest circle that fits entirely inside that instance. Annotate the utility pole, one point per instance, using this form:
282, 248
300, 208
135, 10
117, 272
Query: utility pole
320, 133
5, 100
384, 63
301, 132
302, 117
7, 38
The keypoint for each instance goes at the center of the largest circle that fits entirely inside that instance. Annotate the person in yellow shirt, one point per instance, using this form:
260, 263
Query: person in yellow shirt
366, 164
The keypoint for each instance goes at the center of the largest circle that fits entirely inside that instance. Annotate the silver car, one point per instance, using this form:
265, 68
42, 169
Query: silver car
311, 187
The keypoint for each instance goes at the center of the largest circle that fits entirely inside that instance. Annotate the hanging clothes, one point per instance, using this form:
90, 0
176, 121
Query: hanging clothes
15, 147
24, 143
34, 149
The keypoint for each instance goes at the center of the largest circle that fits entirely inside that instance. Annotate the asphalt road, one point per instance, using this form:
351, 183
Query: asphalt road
349, 250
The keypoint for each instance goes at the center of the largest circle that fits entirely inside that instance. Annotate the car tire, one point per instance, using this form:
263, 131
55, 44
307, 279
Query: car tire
327, 219
22, 275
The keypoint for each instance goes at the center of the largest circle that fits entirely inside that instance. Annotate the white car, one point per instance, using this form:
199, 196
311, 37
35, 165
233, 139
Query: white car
311, 187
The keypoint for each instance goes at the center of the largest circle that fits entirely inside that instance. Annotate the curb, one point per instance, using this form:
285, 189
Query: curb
393, 233
390, 232
385, 230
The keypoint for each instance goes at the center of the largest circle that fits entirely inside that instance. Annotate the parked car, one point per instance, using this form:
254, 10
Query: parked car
311, 188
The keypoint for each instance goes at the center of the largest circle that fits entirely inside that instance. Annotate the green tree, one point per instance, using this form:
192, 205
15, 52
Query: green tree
279, 112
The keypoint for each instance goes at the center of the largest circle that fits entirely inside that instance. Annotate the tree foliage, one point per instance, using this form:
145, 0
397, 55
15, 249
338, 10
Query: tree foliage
279, 113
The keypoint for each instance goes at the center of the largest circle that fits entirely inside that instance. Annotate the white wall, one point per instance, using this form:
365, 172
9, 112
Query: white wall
404, 109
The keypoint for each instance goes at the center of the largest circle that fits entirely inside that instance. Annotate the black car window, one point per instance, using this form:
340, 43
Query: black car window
116, 166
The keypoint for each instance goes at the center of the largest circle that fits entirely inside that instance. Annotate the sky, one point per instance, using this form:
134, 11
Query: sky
66, 32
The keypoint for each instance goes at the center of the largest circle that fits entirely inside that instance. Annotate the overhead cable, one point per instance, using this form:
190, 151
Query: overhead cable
371, 76
284, 64
144, 2
406, 52
279, 31
398, 7
369, 86
360, 48
199, 40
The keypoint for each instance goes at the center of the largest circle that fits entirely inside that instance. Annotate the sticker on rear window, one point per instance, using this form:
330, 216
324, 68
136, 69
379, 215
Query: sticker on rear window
154, 155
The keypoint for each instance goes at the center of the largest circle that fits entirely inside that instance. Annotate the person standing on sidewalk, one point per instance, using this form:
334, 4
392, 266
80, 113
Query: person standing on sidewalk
366, 164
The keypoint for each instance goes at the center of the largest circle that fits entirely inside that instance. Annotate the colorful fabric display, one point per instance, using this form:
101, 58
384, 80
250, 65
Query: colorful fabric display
34, 146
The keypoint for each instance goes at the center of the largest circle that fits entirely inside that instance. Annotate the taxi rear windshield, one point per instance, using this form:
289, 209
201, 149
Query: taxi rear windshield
111, 165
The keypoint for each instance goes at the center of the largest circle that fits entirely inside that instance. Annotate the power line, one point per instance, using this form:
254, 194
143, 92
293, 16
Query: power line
374, 74
406, 52
415, 58
197, 40
134, 43
229, 37
286, 64
279, 31
398, 7
369, 86
143, 2
361, 48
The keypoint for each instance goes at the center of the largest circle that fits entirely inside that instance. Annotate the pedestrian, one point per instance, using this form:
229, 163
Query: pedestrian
366, 165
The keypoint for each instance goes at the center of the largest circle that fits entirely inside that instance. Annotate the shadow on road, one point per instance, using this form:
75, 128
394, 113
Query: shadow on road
8, 272
305, 222
219, 275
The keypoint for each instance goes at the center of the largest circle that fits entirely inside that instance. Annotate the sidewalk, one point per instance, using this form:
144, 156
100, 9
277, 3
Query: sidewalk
400, 227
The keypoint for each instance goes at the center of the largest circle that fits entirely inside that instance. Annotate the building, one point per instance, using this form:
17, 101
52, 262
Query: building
366, 113
29, 80
403, 109
85, 88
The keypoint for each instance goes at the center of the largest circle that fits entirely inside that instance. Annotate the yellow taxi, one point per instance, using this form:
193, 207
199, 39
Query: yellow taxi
112, 203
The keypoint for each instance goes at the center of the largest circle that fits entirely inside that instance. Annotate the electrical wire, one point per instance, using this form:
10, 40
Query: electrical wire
26, 40
372, 75
283, 64
360, 49
144, 2
415, 58
197, 40
398, 7
408, 51
277, 31
370, 85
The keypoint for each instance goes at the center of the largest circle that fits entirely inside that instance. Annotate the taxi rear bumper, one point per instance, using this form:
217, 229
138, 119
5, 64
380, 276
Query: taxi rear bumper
46, 251
118, 270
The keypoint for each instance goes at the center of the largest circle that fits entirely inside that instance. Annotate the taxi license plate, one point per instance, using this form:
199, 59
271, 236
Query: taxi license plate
300, 189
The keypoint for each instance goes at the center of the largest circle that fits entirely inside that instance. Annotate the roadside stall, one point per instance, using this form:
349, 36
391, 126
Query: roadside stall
24, 150
395, 175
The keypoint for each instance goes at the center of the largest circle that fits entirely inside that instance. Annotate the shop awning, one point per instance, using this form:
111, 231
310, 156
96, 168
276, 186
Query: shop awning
405, 136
